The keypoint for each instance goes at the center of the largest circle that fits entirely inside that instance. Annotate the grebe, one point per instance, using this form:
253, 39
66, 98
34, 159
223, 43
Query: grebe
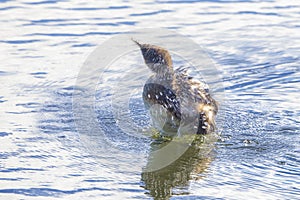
178, 99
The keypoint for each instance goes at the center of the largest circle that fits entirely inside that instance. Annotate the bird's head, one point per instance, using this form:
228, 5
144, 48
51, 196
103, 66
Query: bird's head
156, 58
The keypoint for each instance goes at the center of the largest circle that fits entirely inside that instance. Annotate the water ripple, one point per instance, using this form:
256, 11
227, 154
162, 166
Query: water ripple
20, 41
3, 134
11, 7
150, 13
48, 191
44, 2
107, 8
72, 34
43, 46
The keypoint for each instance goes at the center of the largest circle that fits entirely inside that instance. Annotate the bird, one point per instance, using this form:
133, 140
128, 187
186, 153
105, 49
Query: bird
177, 101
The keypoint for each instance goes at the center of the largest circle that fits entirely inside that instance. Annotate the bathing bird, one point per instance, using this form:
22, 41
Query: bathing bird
177, 101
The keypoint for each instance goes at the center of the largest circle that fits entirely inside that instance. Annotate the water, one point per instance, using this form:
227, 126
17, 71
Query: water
255, 44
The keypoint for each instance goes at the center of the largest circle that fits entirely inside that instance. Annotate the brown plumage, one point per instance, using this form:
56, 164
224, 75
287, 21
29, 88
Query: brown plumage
178, 99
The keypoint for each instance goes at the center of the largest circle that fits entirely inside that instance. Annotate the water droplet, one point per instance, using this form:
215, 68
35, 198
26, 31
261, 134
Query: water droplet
247, 141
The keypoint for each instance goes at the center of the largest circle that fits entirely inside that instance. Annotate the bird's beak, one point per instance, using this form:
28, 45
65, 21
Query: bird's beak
136, 42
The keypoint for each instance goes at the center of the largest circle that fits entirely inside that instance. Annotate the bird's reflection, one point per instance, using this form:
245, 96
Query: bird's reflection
191, 165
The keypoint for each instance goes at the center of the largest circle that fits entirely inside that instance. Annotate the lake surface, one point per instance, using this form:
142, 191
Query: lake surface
255, 45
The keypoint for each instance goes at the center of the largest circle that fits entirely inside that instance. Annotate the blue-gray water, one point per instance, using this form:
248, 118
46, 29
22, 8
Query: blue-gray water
256, 46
